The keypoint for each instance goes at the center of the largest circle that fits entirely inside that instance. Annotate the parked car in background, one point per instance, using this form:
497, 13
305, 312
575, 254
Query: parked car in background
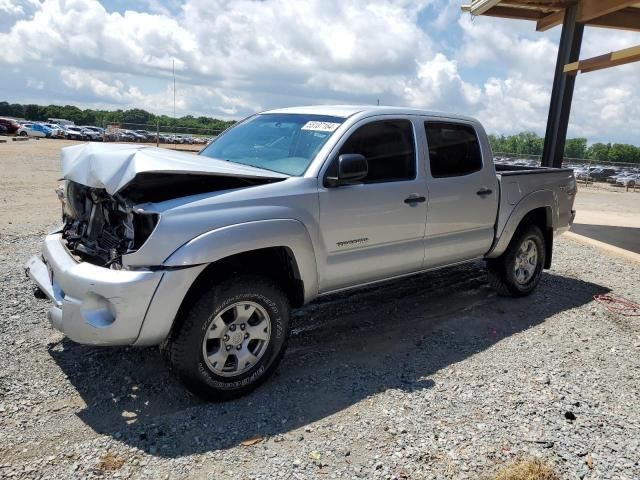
597, 174
581, 172
614, 178
34, 130
91, 134
629, 181
120, 135
56, 130
10, 125
95, 133
135, 137
150, 137
73, 133
126, 136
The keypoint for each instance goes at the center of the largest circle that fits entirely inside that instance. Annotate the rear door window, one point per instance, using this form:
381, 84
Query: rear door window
453, 149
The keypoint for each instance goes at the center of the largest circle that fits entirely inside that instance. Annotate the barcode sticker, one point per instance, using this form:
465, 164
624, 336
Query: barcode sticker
320, 126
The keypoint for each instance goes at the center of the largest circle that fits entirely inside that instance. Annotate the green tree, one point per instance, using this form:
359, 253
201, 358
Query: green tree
621, 152
575, 148
136, 115
599, 151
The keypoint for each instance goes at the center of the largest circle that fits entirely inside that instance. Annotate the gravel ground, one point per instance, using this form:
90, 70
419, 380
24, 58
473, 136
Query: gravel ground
430, 377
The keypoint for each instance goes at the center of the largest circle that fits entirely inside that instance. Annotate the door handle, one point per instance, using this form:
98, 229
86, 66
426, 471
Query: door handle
412, 200
484, 191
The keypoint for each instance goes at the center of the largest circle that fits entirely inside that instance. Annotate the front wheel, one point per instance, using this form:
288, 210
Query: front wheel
517, 271
232, 338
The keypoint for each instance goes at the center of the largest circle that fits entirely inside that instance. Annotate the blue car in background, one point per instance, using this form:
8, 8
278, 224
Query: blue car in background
34, 130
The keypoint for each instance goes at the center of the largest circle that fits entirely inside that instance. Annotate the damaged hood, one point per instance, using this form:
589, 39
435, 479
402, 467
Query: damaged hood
114, 166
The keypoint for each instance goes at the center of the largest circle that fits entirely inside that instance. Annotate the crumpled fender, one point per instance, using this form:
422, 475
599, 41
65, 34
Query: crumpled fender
539, 199
223, 242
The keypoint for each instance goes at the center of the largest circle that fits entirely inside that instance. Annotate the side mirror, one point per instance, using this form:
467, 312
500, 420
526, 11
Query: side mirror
352, 167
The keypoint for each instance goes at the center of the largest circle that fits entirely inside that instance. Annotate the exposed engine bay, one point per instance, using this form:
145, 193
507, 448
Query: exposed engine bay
100, 228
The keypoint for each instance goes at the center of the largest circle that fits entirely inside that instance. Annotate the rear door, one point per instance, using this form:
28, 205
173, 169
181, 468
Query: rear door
463, 194
375, 229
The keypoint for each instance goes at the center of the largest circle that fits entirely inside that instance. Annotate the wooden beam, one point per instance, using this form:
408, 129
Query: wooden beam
601, 13
592, 9
627, 19
550, 21
613, 59
514, 13
479, 7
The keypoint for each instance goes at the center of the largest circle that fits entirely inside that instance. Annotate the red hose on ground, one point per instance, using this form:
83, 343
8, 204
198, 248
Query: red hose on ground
618, 305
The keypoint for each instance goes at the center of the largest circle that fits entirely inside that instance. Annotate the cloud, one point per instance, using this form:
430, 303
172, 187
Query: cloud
438, 85
13, 10
605, 104
233, 58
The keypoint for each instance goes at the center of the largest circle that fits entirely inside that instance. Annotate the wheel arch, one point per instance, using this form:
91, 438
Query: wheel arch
536, 208
279, 248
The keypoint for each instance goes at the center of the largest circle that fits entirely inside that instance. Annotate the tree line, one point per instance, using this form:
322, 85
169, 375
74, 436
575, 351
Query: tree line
103, 118
528, 143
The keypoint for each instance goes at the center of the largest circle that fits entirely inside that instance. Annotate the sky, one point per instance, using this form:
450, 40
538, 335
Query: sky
237, 57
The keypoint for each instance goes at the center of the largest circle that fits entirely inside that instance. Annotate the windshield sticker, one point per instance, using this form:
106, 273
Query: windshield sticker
320, 126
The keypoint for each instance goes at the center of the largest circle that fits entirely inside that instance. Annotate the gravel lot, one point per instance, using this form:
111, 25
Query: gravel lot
430, 377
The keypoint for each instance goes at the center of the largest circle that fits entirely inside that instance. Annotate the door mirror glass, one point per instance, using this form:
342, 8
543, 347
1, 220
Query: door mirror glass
352, 168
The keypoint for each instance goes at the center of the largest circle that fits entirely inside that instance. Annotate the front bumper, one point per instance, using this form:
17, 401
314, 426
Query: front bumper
92, 304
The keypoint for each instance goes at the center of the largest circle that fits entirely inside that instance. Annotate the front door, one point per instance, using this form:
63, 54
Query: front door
375, 229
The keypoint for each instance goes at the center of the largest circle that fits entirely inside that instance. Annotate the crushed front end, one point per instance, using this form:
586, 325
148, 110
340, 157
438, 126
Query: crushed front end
100, 228
96, 299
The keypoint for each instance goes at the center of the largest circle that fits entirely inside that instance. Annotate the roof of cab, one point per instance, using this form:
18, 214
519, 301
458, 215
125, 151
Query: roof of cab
345, 111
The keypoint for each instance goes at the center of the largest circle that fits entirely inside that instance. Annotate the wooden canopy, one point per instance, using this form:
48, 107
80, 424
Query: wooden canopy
620, 14
573, 15
617, 14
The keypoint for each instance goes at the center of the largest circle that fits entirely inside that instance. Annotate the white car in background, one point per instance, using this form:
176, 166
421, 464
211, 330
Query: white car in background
93, 133
56, 130
73, 133
33, 130
629, 181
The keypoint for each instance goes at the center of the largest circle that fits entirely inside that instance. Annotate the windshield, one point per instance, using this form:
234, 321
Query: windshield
284, 143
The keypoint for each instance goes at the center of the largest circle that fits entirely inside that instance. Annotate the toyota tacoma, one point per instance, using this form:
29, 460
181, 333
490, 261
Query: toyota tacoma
205, 255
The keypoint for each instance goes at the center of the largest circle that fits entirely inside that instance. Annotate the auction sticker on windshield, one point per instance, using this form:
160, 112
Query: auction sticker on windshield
320, 126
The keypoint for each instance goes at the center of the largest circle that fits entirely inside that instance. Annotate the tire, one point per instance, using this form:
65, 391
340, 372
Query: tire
23, 134
199, 363
504, 276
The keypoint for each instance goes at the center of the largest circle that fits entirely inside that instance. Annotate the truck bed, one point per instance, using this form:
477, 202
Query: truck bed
518, 183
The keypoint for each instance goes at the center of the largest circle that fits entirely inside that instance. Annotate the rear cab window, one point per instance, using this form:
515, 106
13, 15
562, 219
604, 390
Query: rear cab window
454, 149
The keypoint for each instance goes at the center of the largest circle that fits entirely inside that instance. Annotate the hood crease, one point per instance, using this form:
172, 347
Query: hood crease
114, 166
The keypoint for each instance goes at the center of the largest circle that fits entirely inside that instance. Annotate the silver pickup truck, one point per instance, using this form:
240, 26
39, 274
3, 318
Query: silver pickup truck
206, 254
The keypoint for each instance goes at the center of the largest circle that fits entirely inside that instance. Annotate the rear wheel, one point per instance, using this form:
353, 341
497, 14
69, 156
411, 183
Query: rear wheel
23, 134
518, 270
232, 338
